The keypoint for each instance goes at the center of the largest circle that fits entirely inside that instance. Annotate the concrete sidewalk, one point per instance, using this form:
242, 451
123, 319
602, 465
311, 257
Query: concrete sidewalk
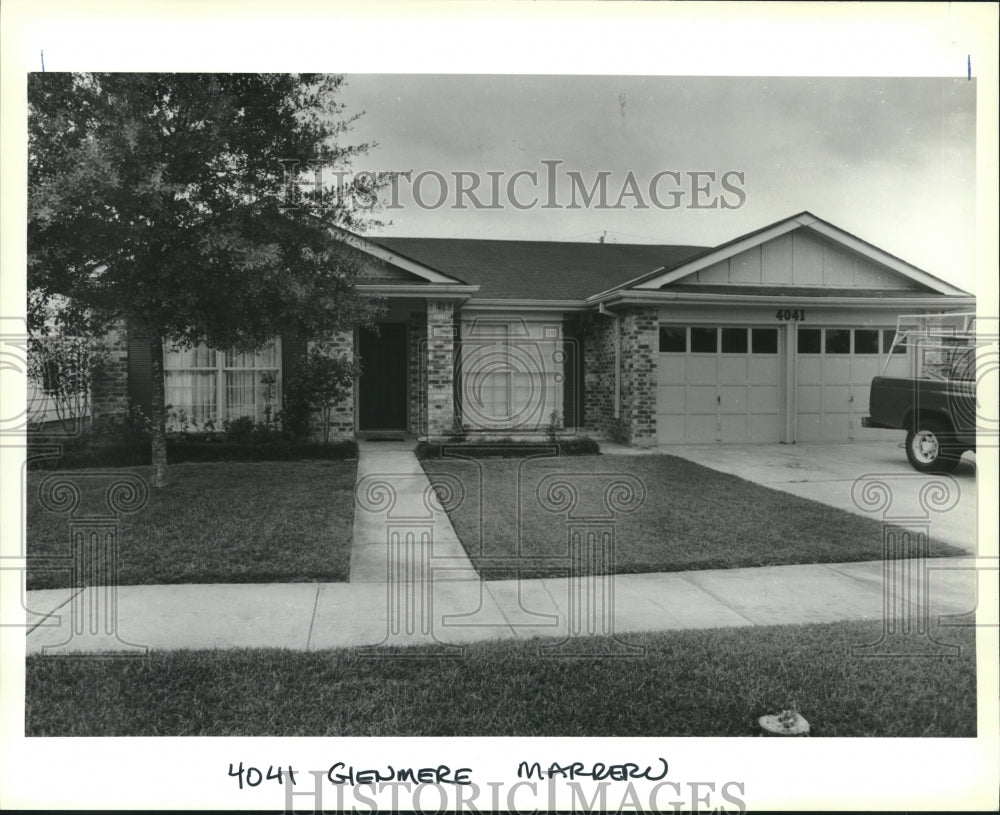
315, 616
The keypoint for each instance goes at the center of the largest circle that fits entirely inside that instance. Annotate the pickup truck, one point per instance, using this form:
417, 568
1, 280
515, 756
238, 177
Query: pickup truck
939, 416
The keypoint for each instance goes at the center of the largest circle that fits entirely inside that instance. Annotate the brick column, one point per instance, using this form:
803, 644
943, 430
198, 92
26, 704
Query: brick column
639, 338
599, 375
417, 350
440, 367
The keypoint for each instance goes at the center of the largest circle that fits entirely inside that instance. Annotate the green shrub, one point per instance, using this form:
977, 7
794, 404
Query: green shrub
579, 446
179, 450
239, 430
507, 448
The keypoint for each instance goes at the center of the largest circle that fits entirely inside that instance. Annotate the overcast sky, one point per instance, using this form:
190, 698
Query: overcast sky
890, 160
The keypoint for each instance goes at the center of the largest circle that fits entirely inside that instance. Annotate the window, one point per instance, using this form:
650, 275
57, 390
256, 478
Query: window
865, 341
704, 340
491, 380
838, 341
510, 374
809, 340
734, 340
673, 340
51, 375
209, 385
764, 340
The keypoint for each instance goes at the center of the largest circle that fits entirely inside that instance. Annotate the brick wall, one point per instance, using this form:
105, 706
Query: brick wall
109, 401
639, 333
342, 416
440, 367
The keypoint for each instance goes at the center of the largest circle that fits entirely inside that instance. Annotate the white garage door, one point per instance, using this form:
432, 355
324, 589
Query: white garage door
718, 384
834, 369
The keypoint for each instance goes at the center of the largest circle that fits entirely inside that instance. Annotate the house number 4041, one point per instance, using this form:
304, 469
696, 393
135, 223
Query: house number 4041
787, 314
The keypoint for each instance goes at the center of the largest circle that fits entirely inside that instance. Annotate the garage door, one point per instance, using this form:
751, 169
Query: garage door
718, 384
834, 369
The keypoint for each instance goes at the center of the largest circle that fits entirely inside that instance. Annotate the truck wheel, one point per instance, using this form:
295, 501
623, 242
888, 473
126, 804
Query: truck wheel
930, 447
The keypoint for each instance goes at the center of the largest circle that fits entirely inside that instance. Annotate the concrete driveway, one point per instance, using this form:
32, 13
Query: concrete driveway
870, 479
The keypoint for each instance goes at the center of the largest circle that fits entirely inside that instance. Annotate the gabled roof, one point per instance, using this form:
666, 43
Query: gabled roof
536, 270
420, 270
671, 273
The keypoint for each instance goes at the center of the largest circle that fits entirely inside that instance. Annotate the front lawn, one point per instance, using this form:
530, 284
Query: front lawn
692, 518
690, 683
215, 523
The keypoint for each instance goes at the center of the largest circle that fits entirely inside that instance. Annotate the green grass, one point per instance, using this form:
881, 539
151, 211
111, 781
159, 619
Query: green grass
692, 518
690, 683
215, 523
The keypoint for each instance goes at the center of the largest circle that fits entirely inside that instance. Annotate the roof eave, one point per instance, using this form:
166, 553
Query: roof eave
653, 297
526, 304
437, 291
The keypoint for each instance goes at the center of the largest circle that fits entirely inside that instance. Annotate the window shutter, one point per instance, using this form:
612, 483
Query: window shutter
573, 376
140, 373
293, 352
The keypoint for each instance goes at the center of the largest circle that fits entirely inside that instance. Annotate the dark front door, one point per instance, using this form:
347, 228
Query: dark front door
382, 387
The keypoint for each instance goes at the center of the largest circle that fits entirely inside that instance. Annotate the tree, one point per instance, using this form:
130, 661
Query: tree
159, 200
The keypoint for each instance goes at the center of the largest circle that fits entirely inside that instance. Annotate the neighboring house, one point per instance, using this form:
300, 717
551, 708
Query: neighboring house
771, 337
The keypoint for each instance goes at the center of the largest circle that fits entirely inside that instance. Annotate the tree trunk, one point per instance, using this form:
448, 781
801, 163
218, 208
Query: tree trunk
158, 412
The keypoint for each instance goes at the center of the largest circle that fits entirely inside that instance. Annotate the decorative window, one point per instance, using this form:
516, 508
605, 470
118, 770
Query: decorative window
765, 340
809, 340
865, 340
704, 340
673, 339
837, 341
734, 340
510, 373
495, 375
888, 335
209, 385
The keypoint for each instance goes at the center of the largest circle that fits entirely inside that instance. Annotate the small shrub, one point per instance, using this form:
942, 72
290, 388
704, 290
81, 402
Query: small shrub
554, 427
459, 433
269, 387
239, 430
618, 431
426, 449
579, 446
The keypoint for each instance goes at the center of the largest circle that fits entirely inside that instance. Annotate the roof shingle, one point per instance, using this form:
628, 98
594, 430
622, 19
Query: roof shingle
538, 270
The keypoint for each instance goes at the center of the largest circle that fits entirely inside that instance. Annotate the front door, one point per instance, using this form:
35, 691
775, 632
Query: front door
382, 385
